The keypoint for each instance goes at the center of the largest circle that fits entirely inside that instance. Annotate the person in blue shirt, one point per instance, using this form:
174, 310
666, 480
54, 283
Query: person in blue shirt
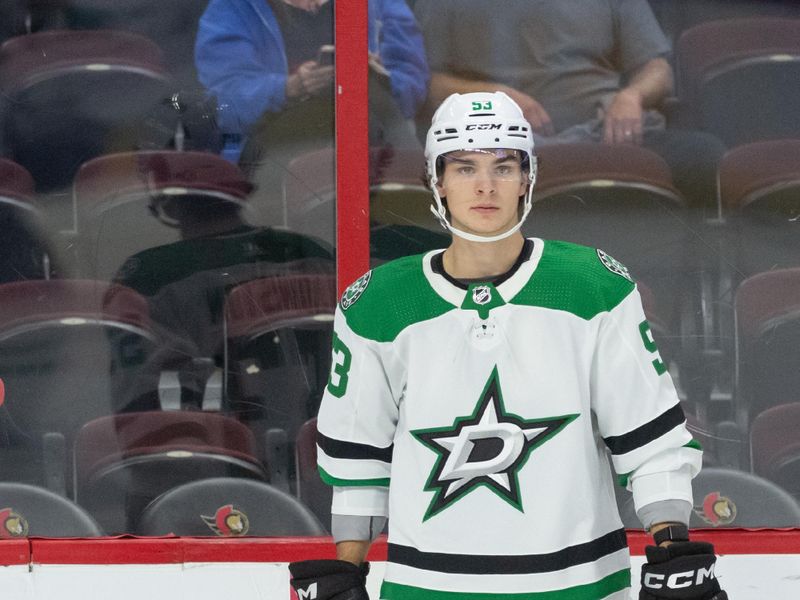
256, 56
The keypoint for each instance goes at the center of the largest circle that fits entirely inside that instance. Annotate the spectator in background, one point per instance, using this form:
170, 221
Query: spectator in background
257, 56
588, 70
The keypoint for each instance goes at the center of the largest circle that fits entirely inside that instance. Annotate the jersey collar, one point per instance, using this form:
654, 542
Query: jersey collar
509, 286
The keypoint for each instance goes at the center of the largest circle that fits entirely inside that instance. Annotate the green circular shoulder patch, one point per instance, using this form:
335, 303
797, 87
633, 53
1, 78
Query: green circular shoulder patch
614, 265
354, 291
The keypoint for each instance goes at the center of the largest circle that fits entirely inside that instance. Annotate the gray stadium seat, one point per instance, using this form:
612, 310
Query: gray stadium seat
228, 507
730, 498
27, 510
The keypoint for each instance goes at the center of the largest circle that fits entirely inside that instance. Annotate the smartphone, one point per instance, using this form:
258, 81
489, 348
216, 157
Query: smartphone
326, 55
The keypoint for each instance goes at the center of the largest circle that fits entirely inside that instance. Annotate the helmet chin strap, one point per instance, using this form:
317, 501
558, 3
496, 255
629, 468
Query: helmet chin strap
440, 212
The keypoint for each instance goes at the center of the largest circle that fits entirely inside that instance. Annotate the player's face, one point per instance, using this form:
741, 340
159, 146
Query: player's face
482, 189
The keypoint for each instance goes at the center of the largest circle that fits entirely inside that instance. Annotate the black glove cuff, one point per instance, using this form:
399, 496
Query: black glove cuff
320, 568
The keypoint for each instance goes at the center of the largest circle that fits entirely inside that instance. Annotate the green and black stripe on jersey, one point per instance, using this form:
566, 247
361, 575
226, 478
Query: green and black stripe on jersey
339, 449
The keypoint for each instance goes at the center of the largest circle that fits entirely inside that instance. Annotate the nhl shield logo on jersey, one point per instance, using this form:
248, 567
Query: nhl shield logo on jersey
14, 525
481, 294
227, 522
354, 291
485, 449
614, 265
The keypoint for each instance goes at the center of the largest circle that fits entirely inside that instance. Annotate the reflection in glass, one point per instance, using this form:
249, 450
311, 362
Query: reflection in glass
121, 126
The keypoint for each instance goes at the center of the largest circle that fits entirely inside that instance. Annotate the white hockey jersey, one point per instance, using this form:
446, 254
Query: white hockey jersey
489, 413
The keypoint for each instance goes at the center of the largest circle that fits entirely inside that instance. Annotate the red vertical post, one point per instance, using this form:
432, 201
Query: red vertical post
352, 141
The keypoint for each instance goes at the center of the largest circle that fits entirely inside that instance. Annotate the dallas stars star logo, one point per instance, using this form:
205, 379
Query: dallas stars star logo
487, 448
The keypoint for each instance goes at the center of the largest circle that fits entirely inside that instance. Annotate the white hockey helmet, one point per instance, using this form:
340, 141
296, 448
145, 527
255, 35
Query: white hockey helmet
478, 121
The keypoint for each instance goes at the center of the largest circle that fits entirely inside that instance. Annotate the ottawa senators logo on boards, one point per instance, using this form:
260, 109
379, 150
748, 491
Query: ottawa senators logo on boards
228, 522
13, 524
716, 510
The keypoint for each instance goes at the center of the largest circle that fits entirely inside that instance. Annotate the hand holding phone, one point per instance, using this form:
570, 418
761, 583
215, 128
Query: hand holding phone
326, 55
310, 79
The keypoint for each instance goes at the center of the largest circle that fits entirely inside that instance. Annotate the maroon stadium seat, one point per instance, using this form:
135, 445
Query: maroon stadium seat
398, 194
760, 199
309, 193
25, 250
72, 95
122, 462
16, 184
400, 219
775, 446
70, 351
739, 77
767, 314
173, 26
278, 348
616, 197
119, 195
401, 223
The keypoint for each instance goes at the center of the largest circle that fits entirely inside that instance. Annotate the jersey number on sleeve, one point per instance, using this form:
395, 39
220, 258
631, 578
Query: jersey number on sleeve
650, 345
337, 382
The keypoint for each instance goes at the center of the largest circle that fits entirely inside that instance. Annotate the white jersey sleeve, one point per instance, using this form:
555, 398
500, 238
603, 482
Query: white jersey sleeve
357, 420
638, 412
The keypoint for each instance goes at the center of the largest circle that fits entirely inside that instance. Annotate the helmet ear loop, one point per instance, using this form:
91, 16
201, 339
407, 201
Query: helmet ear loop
438, 208
531, 177
529, 194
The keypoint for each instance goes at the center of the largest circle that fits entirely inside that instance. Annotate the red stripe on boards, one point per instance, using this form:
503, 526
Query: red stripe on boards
167, 550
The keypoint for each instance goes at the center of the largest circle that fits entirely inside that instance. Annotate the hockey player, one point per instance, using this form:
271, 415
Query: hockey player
476, 393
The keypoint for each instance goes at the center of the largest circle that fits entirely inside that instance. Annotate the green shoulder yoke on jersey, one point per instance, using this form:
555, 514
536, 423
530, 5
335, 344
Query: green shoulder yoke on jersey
386, 300
576, 279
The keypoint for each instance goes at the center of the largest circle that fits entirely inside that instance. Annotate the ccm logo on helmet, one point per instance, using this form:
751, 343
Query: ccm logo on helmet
677, 581
483, 126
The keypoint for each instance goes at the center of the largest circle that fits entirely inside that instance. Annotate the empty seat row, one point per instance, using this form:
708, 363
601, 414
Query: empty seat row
76, 350
162, 496
123, 464
219, 506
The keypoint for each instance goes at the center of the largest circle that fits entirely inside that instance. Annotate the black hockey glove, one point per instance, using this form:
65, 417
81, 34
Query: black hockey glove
680, 571
329, 580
